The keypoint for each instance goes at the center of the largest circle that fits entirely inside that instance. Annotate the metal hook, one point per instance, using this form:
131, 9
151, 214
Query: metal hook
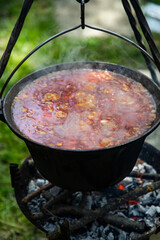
84, 1
83, 12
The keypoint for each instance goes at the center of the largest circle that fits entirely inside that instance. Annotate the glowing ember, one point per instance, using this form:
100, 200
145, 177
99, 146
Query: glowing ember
132, 202
121, 187
83, 109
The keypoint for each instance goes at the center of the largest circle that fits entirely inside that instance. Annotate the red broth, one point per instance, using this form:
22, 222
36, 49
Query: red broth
83, 109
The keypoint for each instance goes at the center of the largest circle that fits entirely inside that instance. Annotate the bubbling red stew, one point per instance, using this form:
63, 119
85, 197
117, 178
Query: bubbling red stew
83, 109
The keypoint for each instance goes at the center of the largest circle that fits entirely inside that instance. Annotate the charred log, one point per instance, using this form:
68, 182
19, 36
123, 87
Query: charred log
101, 213
34, 194
148, 176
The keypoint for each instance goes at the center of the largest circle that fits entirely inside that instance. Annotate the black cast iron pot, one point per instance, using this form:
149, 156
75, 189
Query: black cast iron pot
83, 169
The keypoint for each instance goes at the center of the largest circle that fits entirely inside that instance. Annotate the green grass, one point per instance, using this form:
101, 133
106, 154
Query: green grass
40, 25
13, 224
153, 1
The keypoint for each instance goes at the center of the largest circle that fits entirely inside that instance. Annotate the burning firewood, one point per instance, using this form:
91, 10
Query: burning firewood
37, 192
101, 213
154, 177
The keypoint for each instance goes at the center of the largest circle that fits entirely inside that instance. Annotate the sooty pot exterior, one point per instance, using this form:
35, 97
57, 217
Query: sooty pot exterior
83, 169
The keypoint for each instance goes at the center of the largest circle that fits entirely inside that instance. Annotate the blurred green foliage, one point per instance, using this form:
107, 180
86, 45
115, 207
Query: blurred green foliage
151, 1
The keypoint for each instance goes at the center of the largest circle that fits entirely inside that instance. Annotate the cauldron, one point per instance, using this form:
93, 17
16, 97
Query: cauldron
83, 170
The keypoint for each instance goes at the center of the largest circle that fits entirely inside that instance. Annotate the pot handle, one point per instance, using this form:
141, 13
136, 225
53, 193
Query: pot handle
1, 111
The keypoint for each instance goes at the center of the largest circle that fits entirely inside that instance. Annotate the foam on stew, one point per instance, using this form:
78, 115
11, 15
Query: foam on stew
83, 109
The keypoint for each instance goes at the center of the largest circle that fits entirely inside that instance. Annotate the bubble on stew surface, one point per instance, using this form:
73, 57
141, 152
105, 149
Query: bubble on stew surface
83, 109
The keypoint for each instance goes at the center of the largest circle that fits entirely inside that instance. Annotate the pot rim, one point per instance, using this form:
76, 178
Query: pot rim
79, 63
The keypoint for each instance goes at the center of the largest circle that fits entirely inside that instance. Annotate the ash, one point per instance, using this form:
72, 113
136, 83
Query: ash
145, 209
34, 206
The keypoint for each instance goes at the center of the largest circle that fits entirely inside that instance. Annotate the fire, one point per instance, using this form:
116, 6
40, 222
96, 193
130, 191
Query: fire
131, 202
121, 187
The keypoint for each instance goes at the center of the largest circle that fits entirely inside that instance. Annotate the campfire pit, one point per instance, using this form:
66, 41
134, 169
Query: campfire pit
128, 210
